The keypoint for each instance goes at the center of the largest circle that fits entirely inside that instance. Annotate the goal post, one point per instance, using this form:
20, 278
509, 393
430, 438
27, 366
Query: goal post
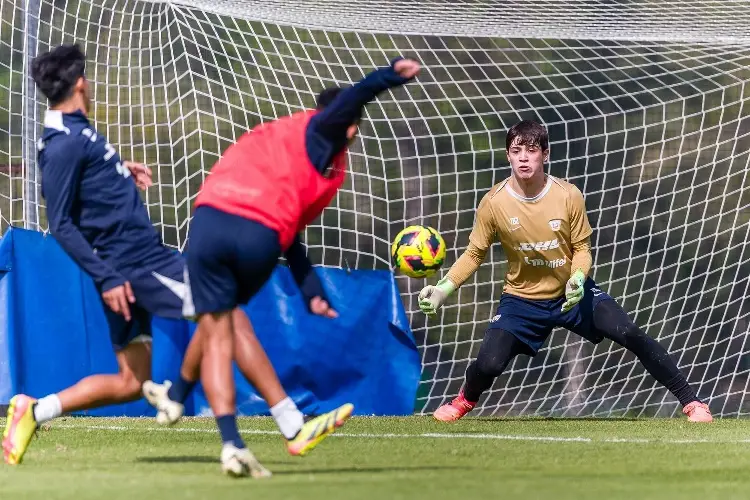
647, 104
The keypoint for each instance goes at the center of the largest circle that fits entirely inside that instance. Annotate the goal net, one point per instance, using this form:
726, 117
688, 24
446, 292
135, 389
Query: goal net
647, 105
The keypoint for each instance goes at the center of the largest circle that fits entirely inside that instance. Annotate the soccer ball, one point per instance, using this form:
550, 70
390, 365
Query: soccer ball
418, 251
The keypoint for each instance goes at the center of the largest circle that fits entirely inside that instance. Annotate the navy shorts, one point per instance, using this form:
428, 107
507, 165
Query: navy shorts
159, 289
229, 258
532, 321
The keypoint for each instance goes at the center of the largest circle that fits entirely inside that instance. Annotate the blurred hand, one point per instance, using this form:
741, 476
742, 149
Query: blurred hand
118, 298
407, 68
322, 308
141, 174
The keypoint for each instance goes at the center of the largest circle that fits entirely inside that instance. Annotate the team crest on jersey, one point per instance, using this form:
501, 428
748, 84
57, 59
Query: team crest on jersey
514, 221
554, 224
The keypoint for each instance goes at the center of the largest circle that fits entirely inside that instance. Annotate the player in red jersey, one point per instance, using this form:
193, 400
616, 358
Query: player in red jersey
266, 188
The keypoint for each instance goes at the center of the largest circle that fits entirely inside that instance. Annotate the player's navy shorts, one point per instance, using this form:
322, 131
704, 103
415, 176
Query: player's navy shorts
158, 286
532, 321
229, 258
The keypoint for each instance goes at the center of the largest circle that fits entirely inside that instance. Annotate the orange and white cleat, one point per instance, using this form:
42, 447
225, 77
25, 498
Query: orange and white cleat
454, 410
698, 412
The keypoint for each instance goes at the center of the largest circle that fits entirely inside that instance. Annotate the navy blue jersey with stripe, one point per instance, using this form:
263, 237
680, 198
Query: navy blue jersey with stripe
94, 209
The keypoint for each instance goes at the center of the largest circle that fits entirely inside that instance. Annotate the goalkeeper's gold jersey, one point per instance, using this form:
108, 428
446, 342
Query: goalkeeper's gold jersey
537, 235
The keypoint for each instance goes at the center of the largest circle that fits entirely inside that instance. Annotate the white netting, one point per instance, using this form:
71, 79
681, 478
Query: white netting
647, 106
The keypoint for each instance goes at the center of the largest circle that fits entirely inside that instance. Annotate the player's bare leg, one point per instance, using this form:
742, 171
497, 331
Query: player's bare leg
251, 359
134, 362
216, 364
254, 364
218, 382
26, 414
301, 436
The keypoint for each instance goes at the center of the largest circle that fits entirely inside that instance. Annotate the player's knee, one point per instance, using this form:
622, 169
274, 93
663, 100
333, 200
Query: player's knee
631, 331
129, 386
499, 347
490, 363
633, 338
217, 331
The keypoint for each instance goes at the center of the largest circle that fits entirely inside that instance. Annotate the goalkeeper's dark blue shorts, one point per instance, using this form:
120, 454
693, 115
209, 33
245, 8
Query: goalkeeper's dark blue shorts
532, 321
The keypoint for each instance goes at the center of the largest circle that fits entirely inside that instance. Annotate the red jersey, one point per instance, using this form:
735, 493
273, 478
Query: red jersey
267, 176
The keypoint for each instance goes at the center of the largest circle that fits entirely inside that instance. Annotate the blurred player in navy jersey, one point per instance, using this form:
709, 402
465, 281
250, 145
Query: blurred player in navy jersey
97, 216
265, 189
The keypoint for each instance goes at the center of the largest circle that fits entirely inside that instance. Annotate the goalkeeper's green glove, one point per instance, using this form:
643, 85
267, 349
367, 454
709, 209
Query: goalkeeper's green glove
574, 290
431, 298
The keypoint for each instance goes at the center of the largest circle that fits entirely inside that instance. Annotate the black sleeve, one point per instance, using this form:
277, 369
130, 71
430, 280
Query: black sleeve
303, 272
326, 133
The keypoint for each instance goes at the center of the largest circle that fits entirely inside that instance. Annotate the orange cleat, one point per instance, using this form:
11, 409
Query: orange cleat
455, 409
698, 412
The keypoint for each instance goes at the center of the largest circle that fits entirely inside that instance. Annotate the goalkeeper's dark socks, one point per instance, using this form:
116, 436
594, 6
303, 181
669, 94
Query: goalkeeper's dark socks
229, 432
180, 389
476, 383
682, 390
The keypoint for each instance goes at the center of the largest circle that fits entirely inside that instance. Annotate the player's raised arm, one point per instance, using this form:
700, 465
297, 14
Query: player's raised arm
580, 237
431, 298
334, 126
61, 168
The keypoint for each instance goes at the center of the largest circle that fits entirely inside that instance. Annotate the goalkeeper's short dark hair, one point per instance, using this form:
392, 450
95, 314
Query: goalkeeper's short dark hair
328, 95
527, 133
57, 71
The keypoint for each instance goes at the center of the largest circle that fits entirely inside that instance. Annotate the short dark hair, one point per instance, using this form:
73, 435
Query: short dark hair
527, 133
57, 71
327, 96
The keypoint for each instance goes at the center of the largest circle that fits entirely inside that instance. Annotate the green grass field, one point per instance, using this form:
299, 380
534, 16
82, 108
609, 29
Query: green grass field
390, 458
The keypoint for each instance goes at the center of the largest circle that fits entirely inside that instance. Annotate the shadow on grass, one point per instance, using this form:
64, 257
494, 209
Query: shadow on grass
302, 470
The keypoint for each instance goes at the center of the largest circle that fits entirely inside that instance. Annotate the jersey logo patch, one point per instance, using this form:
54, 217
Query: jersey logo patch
538, 247
554, 224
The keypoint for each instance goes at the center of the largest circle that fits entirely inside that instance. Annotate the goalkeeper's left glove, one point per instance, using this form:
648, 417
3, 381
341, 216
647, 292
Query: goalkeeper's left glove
574, 290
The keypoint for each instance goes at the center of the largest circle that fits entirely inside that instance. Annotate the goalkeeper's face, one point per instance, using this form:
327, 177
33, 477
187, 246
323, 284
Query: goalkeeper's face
527, 160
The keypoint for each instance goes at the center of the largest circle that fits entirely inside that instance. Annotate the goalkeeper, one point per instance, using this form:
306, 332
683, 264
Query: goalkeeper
542, 225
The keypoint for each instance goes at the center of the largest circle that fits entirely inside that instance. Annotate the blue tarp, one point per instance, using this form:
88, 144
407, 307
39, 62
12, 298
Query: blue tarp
53, 333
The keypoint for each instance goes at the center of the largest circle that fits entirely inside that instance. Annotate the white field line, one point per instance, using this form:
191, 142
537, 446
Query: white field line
428, 435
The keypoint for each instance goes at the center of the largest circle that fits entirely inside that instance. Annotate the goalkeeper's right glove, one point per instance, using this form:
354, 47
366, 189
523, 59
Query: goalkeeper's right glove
431, 298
